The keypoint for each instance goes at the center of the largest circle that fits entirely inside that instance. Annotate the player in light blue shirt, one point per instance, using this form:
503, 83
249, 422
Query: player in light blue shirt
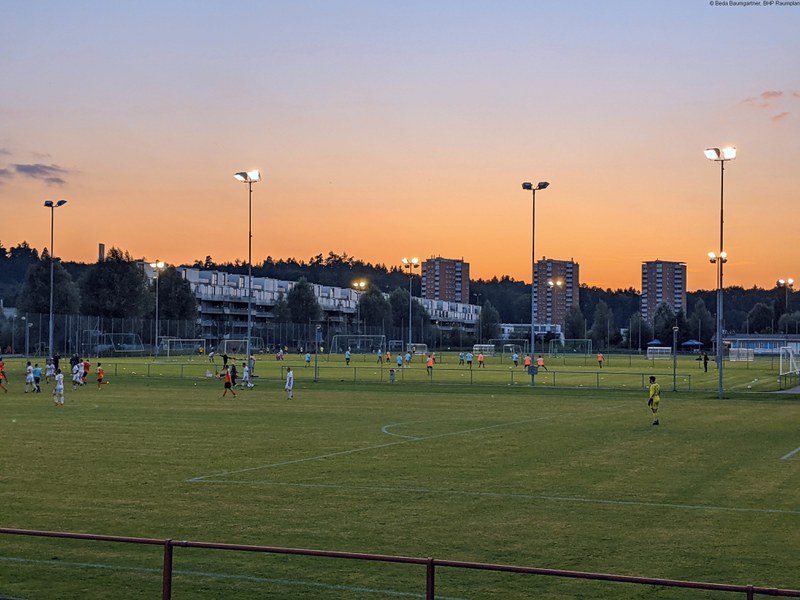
469, 359
347, 357
308, 359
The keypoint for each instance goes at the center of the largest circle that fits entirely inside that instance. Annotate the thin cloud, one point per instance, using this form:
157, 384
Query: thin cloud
50, 174
779, 117
6, 174
796, 94
771, 94
5, 152
763, 99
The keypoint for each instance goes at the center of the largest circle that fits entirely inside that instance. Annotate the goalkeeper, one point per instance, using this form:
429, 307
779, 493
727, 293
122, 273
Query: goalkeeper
654, 399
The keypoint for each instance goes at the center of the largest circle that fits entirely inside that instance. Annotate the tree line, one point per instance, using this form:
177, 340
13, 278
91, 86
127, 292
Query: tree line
117, 287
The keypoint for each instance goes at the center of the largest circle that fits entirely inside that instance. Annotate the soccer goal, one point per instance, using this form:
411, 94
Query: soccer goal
417, 348
182, 347
485, 349
790, 367
659, 353
358, 344
239, 347
510, 345
741, 355
574, 346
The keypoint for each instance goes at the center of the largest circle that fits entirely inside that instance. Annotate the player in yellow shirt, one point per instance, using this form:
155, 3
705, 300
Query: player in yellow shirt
654, 398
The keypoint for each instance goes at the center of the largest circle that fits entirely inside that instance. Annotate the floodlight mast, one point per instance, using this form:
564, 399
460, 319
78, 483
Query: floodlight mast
52, 206
249, 177
721, 156
409, 265
528, 186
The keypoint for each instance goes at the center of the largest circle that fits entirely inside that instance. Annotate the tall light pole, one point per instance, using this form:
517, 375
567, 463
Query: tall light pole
554, 286
480, 310
721, 156
409, 266
359, 287
528, 186
787, 284
157, 265
249, 177
52, 206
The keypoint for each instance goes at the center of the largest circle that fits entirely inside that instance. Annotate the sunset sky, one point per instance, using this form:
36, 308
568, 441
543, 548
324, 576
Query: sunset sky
391, 129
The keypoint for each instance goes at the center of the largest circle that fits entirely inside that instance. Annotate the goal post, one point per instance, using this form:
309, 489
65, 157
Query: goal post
239, 347
485, 349
789, 363
183, 346
741, 354
507, 346
357, 344
659, 353
570, 346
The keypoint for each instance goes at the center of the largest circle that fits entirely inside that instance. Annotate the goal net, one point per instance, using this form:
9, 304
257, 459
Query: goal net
182, 347
239, 347
789, 365
485, 349
416, 348
741, 354
574, 346
659, 353
358, 344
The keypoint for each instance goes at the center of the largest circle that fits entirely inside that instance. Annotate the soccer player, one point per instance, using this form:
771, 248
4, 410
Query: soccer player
58, 391
429, 364
515, 358
100, 375
3, 375
226, 375
77, 372
461, 358
469, 359
526, 362
246, 377
347, 356
540, 363
86, 366
308, 359
654, 398
399, 361
408, 358
49, 370
37, 378
380, 357
29, 377
480, 360
600, 359
289, 387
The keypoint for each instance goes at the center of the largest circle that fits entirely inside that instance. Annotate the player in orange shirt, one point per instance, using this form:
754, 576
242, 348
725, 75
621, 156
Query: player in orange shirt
527, 361
429, 364
480, 360
540, 363
86, 366
100, 375
226, 375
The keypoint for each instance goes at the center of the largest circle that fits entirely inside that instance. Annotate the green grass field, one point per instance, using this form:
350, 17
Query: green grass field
560, 478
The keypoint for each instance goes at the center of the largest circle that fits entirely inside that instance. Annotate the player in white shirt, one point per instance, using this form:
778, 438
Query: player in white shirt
289, 382
77, 375
58, 391
246, 377
49, 370
29, 383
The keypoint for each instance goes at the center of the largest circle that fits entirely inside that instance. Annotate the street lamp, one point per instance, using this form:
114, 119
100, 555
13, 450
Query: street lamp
554, 286
787, 284
721, 156
528, 186
409, 266
359, 287
52, 206
249, 177
157, 265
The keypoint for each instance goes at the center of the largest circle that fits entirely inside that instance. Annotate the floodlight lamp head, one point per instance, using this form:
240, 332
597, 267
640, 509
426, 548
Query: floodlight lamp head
781, 282
248, 176
712, 153
729, 153
790, 282
61, 203
542, 185
527, 186
48, 203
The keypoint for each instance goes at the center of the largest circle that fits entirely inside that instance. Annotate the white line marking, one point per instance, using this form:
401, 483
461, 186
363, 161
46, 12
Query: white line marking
514, 495
367, 448
791, 454
287, 582
385, 429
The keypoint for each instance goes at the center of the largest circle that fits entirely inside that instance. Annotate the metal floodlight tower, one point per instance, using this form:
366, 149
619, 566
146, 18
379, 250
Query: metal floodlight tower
528, 186
358, 286
721, 156
787, 284
52, 206
410, 265
249, 177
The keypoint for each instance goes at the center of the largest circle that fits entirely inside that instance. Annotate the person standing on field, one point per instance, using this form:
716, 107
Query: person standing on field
58, 391
289, 387
600, 359
3, 375
654, 398
540, 363
226, 375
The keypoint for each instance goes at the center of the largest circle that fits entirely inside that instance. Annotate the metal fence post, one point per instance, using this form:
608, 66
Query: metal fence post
750, 594
430, 584
166, 582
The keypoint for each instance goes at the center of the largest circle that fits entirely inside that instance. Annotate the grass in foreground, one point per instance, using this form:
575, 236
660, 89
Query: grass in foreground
562, 479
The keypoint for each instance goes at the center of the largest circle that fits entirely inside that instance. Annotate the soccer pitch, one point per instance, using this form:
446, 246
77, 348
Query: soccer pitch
567, 479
